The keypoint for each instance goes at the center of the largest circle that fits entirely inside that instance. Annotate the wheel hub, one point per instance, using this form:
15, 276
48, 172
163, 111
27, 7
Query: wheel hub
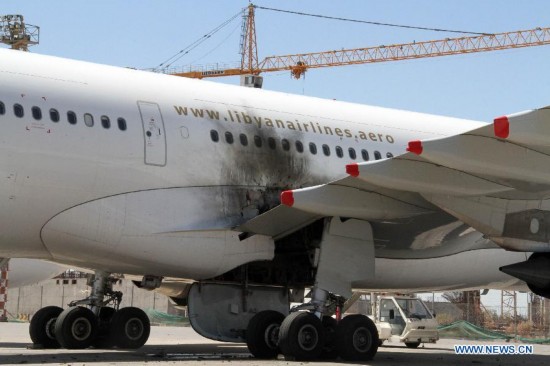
50, 328
271, 336
308, 337
134, 328
81, 329
361, 339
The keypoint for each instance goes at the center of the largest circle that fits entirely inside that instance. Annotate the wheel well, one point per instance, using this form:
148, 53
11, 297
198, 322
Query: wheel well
293, 264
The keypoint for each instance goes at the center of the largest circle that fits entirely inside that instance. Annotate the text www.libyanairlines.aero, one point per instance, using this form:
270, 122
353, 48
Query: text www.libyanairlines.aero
266, 122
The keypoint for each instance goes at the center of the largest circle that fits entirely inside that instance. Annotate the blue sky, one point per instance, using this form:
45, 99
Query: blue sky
143, 33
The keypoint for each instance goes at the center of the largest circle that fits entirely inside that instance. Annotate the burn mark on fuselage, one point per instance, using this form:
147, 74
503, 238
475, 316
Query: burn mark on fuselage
264, 172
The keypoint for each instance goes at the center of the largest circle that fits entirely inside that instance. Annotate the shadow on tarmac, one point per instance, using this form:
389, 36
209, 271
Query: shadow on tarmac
20, 353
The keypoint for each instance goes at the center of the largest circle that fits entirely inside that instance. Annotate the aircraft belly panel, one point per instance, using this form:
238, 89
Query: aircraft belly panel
180, 232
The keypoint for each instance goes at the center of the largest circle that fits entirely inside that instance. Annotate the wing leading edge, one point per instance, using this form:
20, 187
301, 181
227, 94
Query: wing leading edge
495, 178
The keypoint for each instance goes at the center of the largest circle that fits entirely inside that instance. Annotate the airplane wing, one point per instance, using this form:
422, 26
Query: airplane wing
494, 178
24, 272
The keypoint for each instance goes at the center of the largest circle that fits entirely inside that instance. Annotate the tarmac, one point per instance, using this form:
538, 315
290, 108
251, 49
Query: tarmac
182, 346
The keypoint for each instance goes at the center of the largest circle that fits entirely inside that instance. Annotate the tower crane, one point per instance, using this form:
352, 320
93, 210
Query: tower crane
298, 64
17, 34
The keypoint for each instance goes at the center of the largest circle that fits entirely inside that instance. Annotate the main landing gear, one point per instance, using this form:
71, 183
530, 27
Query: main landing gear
305, 335
95, 321
309, 332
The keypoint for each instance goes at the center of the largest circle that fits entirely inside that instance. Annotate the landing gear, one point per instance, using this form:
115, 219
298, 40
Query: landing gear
130, 328
356, 338
91, 322
262, 334
329, 350
103, 340
76, 328
42, 327
301, 336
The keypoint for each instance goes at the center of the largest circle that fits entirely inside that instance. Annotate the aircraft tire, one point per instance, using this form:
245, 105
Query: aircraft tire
301, 336
42, 327
356, 338
103, 339
329, 350
262, 334
76, 328
130, 328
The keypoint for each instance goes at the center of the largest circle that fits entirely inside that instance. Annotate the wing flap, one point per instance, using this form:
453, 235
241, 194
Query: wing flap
411, 173
278, 222
490, 157
335, 199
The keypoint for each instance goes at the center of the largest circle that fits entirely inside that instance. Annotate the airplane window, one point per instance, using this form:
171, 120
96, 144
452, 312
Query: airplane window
214, 135
313, 148
285, 144
258, 141
121, 124
36, 113
244, 139
54, 115
299, 146
71, 117
339, 152
2, 108
88, 119
18, 110
326, 150
105, 122
229, 137
271, 142
352, 153
389, 155
377, 155
365, 155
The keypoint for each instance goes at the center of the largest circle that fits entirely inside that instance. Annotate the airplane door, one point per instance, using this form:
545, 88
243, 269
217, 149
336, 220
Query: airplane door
153, 133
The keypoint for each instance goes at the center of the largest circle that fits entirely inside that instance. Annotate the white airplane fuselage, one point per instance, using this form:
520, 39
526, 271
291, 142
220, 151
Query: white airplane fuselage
151, 191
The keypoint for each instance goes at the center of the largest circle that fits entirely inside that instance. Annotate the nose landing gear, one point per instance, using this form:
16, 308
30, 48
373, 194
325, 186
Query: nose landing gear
94, 321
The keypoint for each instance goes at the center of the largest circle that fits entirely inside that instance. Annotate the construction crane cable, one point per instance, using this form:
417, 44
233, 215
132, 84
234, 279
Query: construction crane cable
218, 45
168, 62
372, 23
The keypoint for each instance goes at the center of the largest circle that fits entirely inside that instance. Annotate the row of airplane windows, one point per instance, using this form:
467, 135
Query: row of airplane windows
19, 112
285, 144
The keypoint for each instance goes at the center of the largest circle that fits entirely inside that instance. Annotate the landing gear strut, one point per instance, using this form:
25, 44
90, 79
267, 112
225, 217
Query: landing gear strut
309, 332
94, 321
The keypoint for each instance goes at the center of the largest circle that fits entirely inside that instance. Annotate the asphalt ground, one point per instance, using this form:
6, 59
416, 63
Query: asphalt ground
182, 346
